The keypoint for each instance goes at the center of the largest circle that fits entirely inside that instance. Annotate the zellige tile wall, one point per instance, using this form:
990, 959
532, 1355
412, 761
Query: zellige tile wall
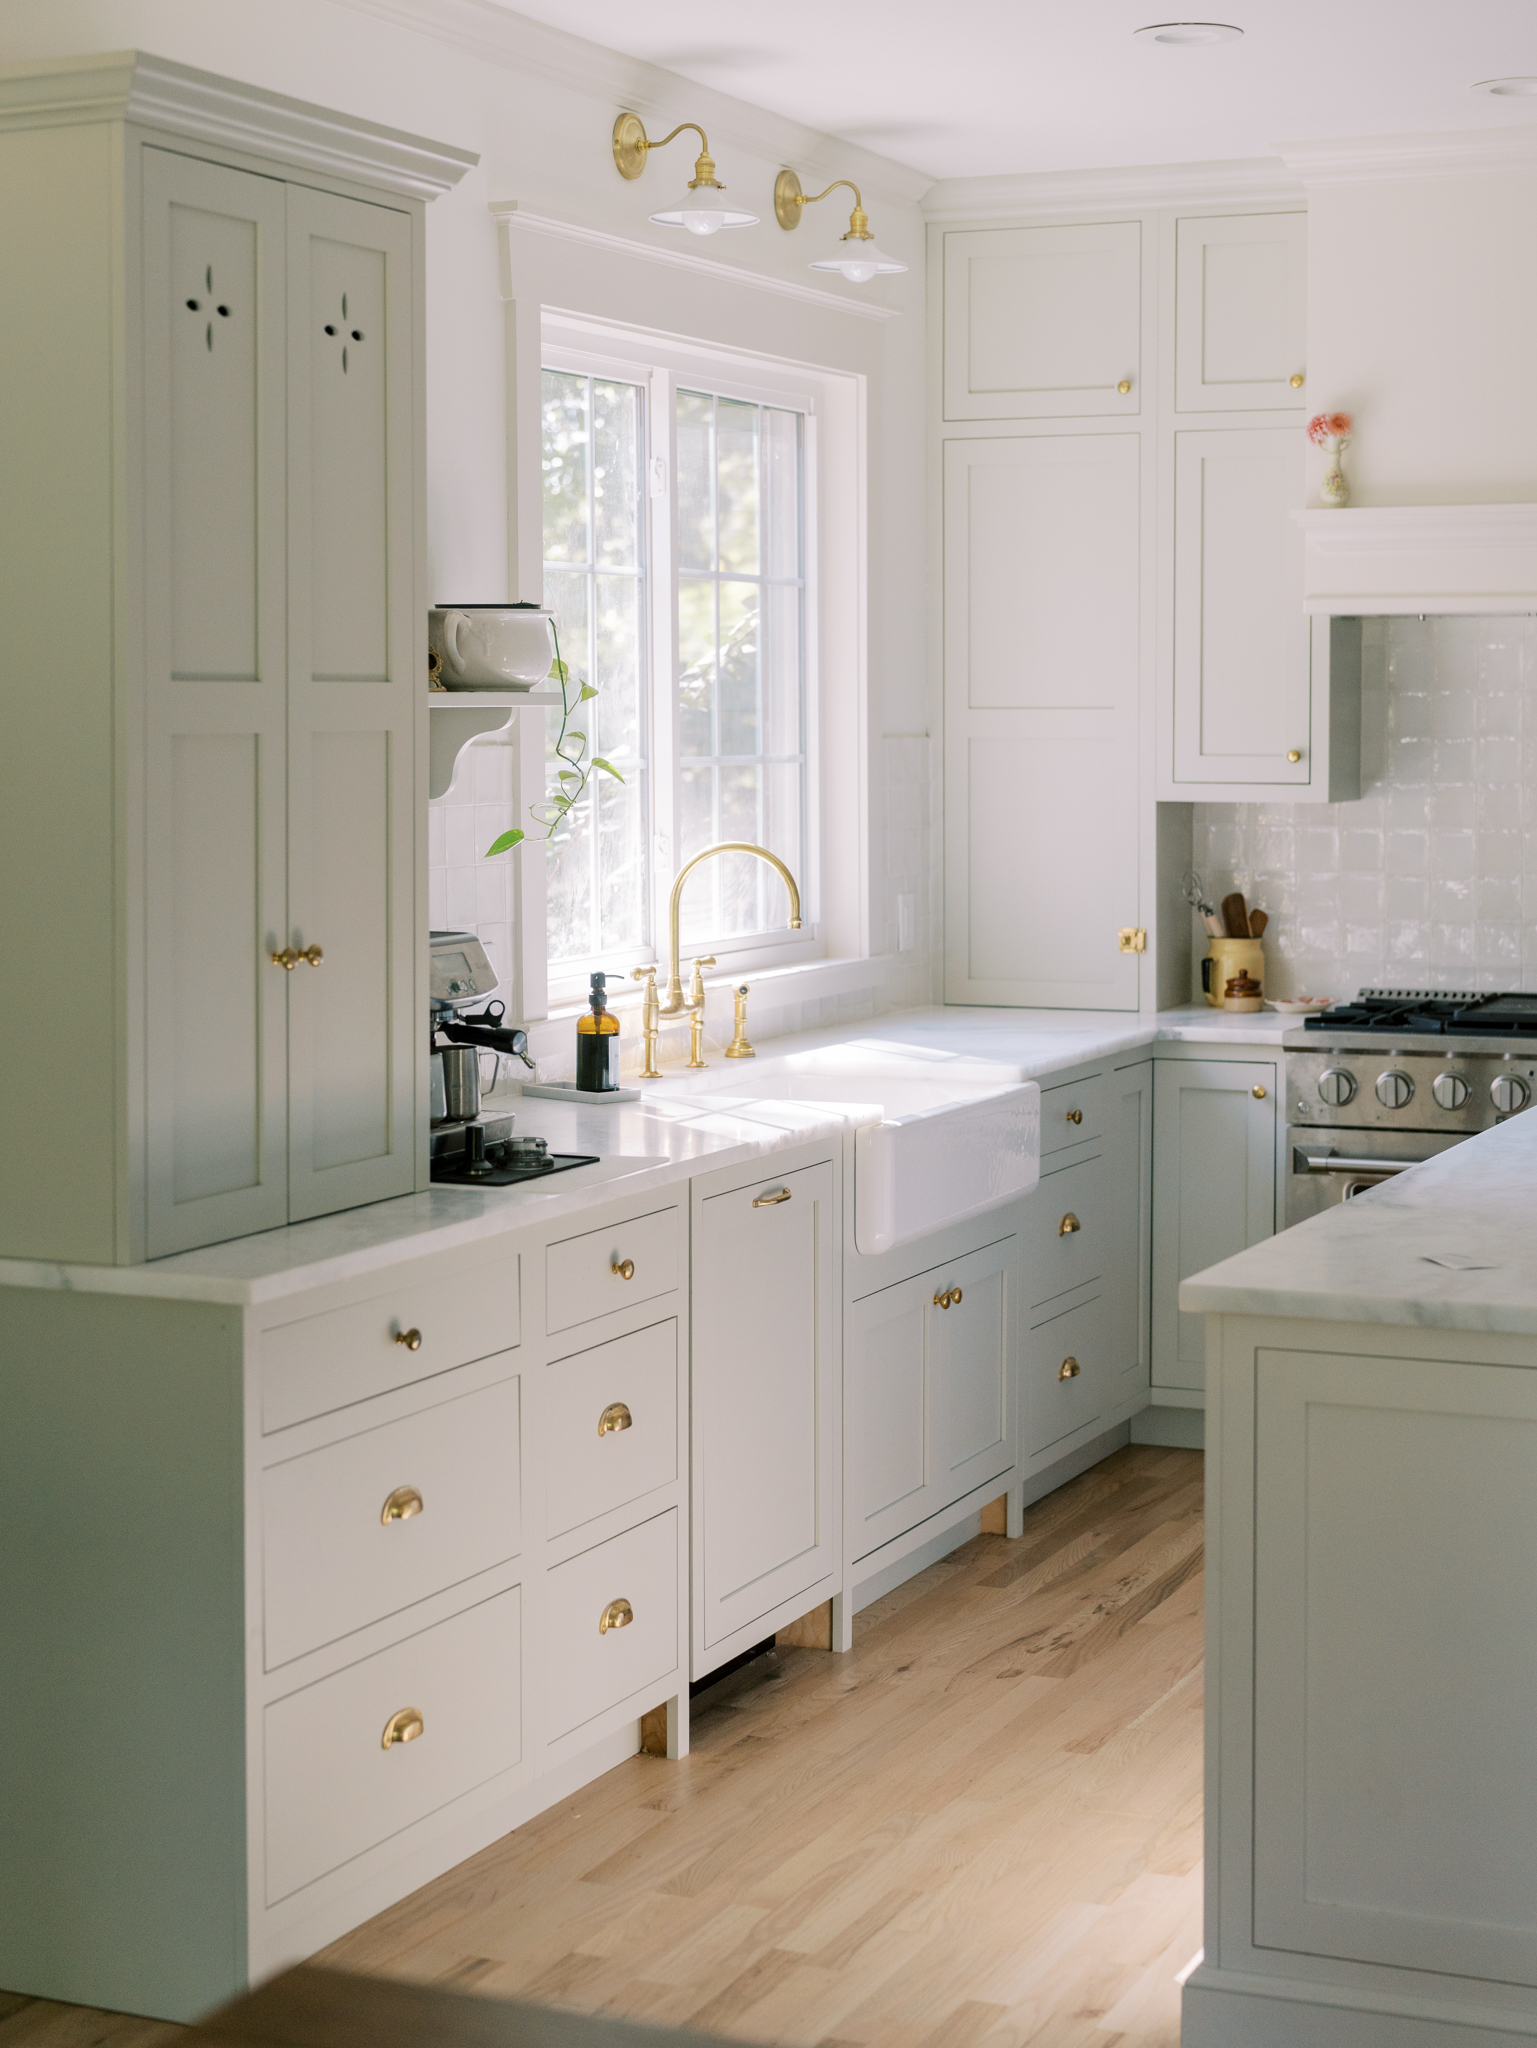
1430, 880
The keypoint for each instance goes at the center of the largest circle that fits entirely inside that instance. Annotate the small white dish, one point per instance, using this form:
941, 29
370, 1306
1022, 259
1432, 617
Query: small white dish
1297, 1006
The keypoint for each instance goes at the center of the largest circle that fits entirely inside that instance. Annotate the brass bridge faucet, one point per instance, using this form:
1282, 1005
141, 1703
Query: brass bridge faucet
673, 1002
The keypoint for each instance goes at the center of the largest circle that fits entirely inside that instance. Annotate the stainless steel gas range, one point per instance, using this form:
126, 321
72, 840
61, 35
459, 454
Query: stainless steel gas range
1395, 1077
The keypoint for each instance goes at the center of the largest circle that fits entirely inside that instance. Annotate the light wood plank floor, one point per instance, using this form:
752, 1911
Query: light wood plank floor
979, 1829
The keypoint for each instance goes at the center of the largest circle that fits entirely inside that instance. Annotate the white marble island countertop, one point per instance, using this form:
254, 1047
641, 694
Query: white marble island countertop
1451, 1244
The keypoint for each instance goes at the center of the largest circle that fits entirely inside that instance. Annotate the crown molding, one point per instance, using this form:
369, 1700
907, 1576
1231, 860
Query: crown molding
130, 85
1392, 560
1239, 181
510, 214
1372, 158
498, 36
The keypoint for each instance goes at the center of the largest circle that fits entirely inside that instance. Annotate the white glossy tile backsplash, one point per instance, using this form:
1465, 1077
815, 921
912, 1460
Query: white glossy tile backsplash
1430, 880
465, 891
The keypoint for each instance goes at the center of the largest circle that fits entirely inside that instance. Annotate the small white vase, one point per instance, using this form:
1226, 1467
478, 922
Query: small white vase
1335, 489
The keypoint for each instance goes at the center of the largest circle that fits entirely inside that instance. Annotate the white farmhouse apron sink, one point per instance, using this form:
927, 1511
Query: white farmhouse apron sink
936, 1139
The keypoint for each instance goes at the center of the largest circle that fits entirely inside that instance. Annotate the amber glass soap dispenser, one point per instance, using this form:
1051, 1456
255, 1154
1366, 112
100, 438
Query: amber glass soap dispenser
597, 1043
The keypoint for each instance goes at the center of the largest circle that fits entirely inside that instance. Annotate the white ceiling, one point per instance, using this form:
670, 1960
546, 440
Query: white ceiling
980, 87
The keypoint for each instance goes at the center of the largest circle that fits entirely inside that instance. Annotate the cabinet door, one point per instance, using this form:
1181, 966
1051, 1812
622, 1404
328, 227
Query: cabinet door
213, 518
1041, 323
1128, 1268
766, 1387
1241, 303
971, 1392
1214, 1126
1043, 598
353, 692
1242, 657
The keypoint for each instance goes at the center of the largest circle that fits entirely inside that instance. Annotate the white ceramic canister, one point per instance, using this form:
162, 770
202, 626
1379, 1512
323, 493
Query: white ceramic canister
491, 646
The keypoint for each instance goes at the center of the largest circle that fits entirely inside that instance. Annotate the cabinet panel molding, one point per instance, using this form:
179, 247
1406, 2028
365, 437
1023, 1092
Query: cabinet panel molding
1241, 305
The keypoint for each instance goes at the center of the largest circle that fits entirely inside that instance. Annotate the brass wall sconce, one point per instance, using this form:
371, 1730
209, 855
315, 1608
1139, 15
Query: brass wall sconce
702, 209
859, 260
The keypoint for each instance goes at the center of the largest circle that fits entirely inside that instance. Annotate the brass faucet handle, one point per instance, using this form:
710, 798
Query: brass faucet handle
696, 980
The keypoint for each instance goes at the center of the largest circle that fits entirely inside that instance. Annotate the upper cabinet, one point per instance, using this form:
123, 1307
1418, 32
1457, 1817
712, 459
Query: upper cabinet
1240, 294
1043, 322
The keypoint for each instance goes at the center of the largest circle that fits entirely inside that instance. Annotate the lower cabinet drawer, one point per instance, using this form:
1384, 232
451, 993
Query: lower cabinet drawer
334, 1790
1064, 1373
1064, 1237
598, 1653
362, 1528
611, 1426
1073, 1111
604, 1270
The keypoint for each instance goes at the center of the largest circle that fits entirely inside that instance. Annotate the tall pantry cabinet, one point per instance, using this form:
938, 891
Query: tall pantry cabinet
211, 599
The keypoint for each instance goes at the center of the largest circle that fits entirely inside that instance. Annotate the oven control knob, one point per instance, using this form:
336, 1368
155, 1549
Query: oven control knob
1394, 1088
1336, 1087
1509, 1092
1450, 1090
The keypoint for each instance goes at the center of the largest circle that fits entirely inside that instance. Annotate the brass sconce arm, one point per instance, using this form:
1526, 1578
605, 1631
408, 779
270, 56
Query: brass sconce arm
673, 1002
789, 200
631, 146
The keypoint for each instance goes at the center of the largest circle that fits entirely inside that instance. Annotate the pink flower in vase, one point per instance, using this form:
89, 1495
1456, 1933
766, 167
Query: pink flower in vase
1331, 432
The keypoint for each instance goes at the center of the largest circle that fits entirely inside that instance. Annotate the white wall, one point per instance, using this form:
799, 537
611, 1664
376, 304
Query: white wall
539, 106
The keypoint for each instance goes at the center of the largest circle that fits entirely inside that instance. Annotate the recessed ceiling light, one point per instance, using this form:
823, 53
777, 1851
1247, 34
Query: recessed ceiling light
1189, 32
1508, 88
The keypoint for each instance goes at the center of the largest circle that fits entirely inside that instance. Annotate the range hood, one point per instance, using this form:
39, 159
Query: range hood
1422, 304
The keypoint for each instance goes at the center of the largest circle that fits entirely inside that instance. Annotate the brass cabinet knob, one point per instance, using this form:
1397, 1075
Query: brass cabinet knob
1258, 1093
614, 1417
617, 1614
403, 1727
950, 1296
311, 953
623, 1269
1075, 1116
1294, 755
1124, 386
1068, 1225
1297, 380
402, 1504
771, 1201
411, 1339
287, 959
1068, 1369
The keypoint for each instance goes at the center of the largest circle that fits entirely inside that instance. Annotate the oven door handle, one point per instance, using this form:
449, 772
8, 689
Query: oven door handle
1331, 1162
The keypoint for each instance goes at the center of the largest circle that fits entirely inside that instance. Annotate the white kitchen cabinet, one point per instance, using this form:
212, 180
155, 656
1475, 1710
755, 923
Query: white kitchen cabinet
1214, 1182
766, 1402
929, 1394
1129, 1271
1070, 1375
1043, 322
231, 769
1043, 607
1240, 312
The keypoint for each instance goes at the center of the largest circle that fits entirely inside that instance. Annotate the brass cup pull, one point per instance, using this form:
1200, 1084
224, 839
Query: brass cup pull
1068, 1369
945, 1300
288, 959
623, 1269
402, 1504
769, 1201
1068, 1225
403, 1727
1258, 1093
1075, 1116
411, 1339
615, 1417
617, 1614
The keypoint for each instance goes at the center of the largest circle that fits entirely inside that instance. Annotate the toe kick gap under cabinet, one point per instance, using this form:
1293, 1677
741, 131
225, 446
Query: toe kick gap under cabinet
219, 603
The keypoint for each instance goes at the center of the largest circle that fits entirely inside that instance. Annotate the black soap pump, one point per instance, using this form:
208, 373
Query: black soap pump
597, 1043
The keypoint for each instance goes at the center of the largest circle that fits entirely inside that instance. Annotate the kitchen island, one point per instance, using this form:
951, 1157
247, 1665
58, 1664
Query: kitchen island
1371, 1794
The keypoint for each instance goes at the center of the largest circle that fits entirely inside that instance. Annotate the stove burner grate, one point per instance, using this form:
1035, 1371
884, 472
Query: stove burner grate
1431, 1013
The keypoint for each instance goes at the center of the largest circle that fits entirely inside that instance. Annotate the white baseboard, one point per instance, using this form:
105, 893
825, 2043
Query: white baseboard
1222, 2009
1181, 1429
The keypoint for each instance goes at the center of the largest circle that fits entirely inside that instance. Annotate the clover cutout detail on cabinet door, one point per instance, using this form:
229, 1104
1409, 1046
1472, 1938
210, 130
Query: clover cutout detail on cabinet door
345, 333
209, 308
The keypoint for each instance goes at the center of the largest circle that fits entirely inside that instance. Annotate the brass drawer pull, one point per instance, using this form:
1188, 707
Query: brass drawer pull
403, 1727
411, 1339
288, 959
622, 1269
1257, 1092
402, 1504
768, 1201
951, 1294
1075, 1116
1068, 1225
1068, 1369
614, 1418
617, 1614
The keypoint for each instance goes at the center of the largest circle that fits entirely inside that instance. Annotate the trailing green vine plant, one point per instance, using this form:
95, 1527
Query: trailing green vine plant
576, 768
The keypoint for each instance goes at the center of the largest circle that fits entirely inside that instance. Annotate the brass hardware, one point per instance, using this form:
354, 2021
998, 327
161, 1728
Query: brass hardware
1068, 1369
1297, 380
402, 1504
617, 1614
287, 959
650, 1020
403, 1727
631, 147
313, 954
614, 1418
411, 1339
696, 1056
1075, 1116
1068, 1225
739, 1049
1132, 938
789, 199
1124, 386
696, 980
1294, 755
771, 1201
622, 1269
673, 1001
435, 670
950, 1296
1258, 1094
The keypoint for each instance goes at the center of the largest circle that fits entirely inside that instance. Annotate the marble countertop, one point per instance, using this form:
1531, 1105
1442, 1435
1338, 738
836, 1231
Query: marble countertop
1378, 1259
664, 1139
